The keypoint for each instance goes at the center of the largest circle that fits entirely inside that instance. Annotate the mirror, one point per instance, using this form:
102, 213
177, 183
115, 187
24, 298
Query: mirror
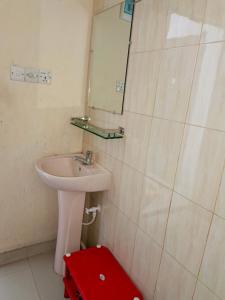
109, 57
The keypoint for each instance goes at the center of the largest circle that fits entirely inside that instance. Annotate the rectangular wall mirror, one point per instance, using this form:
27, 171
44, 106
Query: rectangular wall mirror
109, 57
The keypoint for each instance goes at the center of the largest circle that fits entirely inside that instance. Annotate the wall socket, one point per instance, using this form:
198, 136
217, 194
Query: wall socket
45, 77
32, 75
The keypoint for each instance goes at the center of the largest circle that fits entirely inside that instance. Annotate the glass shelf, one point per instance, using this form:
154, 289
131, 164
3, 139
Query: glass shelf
103, 133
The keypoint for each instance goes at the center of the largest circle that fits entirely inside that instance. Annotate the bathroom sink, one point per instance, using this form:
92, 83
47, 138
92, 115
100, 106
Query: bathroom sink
63, 173
72, 180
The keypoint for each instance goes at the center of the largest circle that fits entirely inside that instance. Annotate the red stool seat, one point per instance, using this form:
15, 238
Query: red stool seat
95, 274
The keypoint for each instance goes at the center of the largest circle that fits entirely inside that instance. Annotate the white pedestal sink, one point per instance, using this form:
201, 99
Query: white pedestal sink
72, 179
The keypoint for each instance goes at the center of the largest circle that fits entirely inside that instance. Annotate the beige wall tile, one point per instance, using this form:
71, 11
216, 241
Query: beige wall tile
207, 107
116, 170
107, 227
184, 24
142, 82
137, 137
154, 209
93, 235
110, 3
214, 24
212, 271
130, 192
115, 167
174, 282
163, 151
145, 265
187, 231
220, 204
203, 293
149, 25
116, 148
200, 165
98, 5
174, 85
124, 240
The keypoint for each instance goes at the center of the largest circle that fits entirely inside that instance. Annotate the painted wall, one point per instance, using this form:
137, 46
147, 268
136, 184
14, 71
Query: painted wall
34, 119
164, 218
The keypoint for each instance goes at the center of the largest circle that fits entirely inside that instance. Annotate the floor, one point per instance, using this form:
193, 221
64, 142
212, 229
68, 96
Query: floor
31, 279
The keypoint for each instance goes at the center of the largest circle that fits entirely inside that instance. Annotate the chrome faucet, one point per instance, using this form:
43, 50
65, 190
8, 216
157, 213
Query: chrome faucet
87, 159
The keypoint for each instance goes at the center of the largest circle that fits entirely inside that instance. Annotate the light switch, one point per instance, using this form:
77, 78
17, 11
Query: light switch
31, 75
17, 73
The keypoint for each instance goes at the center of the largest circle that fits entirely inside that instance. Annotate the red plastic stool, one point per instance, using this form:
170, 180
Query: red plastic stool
95, 274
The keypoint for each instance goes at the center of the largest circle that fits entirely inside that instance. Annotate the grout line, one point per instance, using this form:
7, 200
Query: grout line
219, 298
136, 224
179, 263
210, 226
114, 233
34, 280
153, 179
13, 272
136, 229
163, 247
177, 165
177, 47
132, 255
203, 253
145, 171
206, 240
152, 116
150, 237
149, 139
193, 202
175, 121
142, 184
156, 181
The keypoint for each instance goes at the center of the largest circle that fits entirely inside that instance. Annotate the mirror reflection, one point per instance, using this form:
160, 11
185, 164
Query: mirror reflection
109, 57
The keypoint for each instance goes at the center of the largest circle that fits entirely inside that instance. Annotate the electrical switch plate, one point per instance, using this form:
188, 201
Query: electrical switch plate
119, 86
17, 73
45, 77
31, 75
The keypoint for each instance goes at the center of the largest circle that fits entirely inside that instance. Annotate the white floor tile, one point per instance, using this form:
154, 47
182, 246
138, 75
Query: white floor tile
49, 285
18, 286
15, 267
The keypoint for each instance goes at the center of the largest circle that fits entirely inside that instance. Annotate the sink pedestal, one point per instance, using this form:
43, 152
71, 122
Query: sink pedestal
72, 180
71, 208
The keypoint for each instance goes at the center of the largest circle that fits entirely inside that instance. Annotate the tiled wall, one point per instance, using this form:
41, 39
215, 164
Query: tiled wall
100, 5
164, 218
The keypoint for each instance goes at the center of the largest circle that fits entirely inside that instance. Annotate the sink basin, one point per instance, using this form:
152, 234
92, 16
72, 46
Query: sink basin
72, 180
63, 173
